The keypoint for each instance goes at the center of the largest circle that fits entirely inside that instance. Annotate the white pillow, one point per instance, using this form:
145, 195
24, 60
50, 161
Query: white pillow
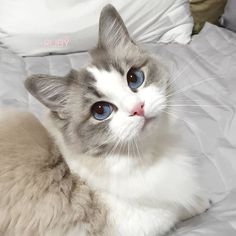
39, 27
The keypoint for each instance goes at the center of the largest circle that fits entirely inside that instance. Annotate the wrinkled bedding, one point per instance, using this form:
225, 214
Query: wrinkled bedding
204, 76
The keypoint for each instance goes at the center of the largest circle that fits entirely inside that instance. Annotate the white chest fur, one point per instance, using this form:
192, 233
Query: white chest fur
142, 198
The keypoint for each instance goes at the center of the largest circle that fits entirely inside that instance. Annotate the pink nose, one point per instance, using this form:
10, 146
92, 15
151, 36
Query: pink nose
138, 110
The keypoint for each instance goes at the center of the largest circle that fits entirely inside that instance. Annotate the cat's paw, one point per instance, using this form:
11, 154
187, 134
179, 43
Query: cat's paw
201, 205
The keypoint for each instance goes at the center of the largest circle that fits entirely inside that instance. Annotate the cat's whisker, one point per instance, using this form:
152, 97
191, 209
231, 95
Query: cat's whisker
188, 123
170, 102
185, 100
159, 103
189, 87
121, 147
191, 112
178, 74
119, 142
134, 150
175, 77
105, 158
128, 149
112, 138
186, 89
113, 149
198, 105
102, 160
139, 154
107, 141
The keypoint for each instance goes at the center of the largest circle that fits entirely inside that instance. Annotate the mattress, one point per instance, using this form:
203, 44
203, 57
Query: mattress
204, 76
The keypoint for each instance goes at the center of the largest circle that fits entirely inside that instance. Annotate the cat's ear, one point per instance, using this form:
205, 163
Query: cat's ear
52, 91
112, 30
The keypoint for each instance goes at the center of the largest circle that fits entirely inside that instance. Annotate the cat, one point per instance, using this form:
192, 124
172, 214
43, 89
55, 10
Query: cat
110, 124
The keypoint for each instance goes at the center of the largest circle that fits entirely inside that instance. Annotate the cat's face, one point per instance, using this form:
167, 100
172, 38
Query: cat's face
113, 99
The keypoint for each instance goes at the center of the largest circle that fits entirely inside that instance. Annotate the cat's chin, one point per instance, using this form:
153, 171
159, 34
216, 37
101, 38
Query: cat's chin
152, 127
146, 127
147, 123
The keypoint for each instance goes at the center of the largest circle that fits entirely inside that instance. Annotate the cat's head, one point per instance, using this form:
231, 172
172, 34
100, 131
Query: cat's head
113, 99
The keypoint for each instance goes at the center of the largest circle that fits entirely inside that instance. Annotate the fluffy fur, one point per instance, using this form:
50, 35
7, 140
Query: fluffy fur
39, 195
134, 165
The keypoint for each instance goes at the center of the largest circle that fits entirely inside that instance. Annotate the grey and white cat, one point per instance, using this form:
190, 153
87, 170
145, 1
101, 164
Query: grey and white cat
110, 123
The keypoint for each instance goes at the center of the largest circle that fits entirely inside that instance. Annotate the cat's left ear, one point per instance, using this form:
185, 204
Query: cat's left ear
52, 91
112, 30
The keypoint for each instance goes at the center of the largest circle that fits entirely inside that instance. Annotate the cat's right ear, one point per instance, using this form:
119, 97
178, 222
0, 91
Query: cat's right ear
52, 91
112, 30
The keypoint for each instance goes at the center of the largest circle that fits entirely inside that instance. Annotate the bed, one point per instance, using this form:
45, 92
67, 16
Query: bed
204, 76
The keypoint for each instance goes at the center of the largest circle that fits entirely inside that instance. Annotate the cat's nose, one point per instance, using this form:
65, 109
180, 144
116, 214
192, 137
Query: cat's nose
138, 110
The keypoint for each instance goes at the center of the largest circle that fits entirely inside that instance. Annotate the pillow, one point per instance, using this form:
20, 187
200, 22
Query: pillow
40, 27
228, 19
206, 10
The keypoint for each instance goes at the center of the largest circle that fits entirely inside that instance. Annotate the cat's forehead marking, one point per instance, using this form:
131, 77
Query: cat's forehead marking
110, 83
86, 83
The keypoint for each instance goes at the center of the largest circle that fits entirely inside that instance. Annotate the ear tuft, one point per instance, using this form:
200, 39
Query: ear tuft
112, 30
52, 91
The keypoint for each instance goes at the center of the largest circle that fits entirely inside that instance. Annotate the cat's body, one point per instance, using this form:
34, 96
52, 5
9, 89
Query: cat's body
38, 194
110, 122
144, 195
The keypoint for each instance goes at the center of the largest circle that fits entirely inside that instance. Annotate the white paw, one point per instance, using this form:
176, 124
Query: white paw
200, 206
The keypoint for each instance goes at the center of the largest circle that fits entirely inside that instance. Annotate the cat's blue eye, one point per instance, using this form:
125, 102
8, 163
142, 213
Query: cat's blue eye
135, 78
101, 110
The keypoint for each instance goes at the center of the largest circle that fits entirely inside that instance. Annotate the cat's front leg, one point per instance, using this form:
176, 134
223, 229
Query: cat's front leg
200, 205
130, 219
